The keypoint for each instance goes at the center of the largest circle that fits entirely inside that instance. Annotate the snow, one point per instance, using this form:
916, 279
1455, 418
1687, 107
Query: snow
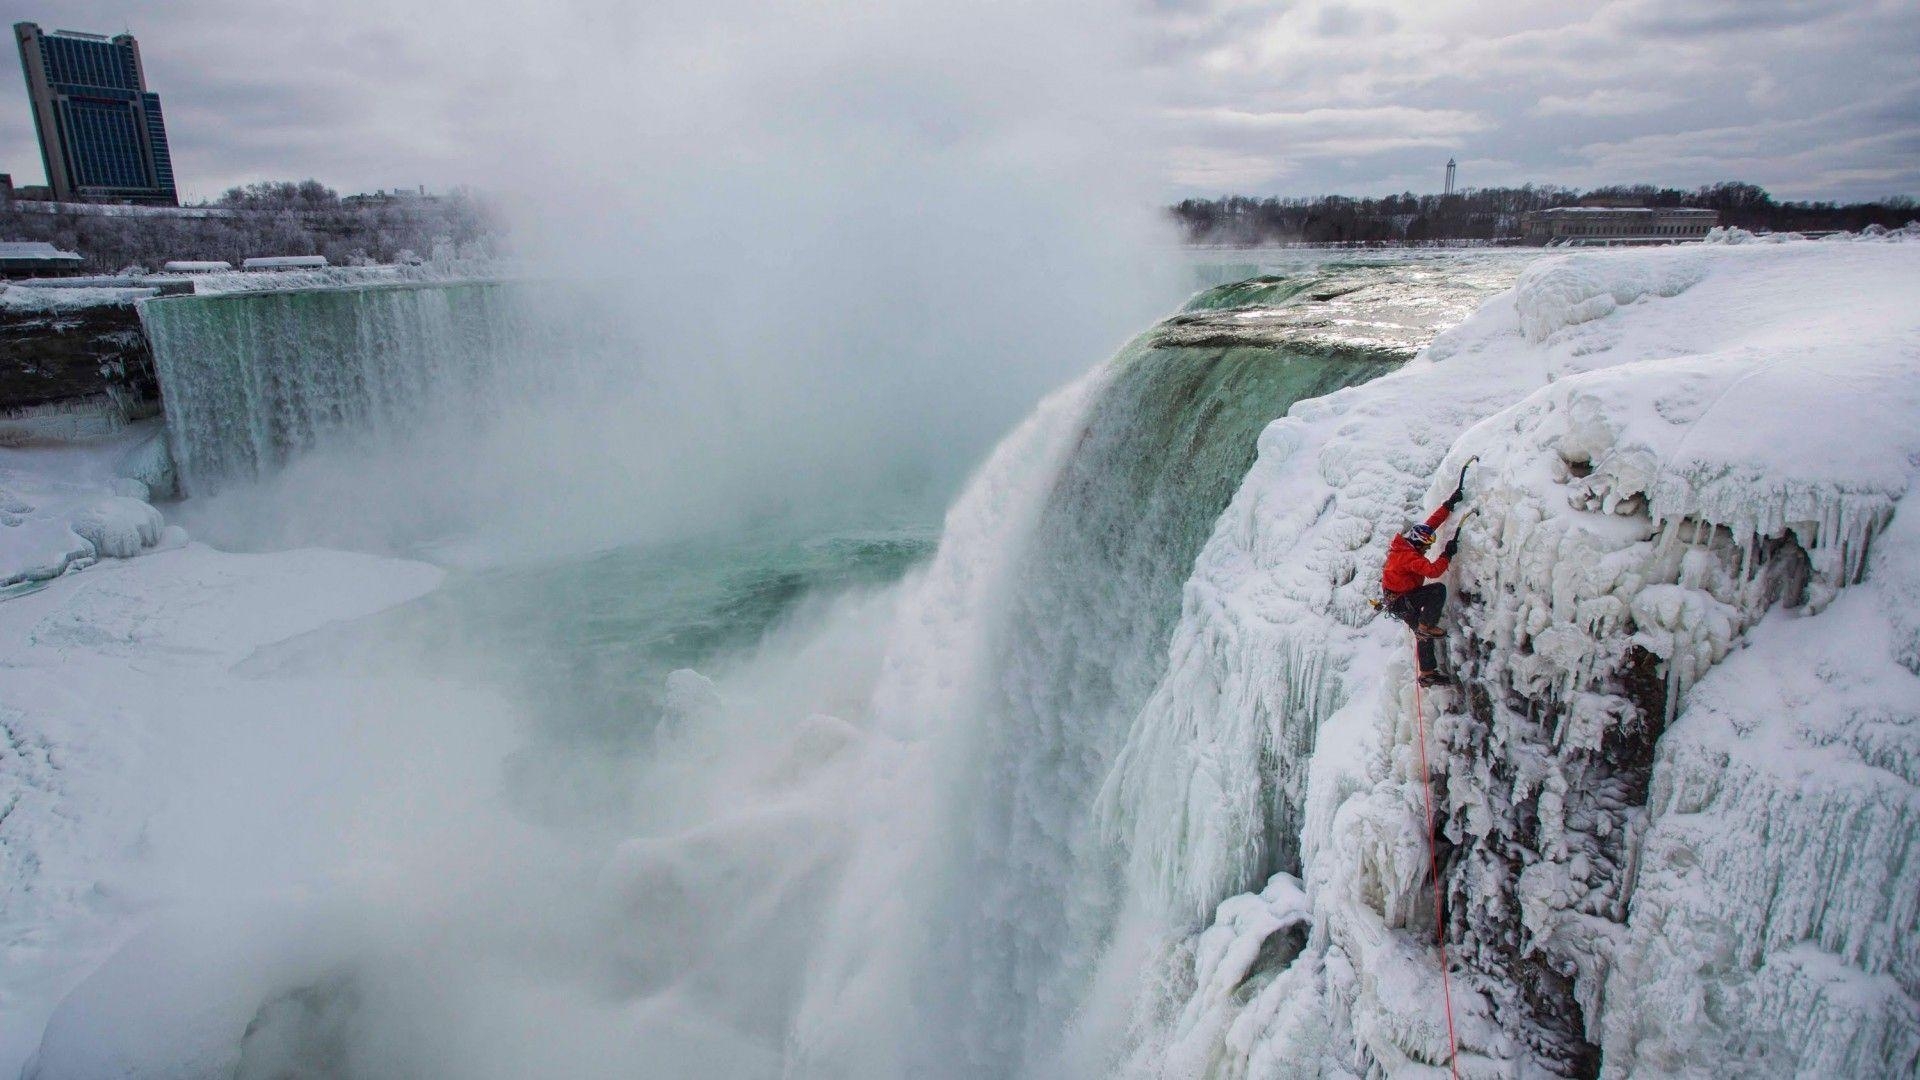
127, 766
1672, 443
446, 272
118, 527
285, 262
1246, 956
27, 299
1793, 775
65, 506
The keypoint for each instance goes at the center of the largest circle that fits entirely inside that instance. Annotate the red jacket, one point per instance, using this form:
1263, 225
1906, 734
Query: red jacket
1406, 568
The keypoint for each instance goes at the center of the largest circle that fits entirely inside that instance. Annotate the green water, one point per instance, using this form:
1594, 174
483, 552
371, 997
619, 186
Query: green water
1265, 290
583, 646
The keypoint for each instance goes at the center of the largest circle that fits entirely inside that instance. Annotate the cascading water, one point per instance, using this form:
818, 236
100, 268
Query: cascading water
1085, 641
252, 379
1071, 623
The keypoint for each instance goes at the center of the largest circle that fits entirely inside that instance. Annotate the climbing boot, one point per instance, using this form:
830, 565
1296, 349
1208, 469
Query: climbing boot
1429, 630
1435, 678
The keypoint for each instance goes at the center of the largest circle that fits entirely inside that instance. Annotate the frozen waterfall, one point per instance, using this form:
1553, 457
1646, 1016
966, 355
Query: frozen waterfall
1677, 782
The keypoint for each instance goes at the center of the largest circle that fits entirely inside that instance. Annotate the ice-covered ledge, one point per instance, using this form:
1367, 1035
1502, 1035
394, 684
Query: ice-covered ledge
1673, 443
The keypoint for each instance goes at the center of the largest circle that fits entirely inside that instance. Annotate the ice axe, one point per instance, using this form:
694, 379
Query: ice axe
1461, 486
1460, 491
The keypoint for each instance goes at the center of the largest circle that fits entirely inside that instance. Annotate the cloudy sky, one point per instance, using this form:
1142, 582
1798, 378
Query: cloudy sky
1810, 98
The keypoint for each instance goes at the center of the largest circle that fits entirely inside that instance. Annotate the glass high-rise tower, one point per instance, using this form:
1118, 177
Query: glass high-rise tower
102, 137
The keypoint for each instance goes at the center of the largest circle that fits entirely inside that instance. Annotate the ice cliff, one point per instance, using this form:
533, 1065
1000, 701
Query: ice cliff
1678, 794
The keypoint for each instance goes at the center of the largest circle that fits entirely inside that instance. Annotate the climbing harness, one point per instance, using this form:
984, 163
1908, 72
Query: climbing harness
1433, 864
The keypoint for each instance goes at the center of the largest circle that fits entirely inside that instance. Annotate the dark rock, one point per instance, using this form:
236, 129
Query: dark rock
68, 355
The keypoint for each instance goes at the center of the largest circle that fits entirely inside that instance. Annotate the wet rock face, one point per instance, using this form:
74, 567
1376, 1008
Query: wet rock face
74, 355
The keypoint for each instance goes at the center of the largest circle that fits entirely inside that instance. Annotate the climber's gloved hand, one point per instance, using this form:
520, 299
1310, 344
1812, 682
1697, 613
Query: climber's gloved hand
1453, 500
1453, 546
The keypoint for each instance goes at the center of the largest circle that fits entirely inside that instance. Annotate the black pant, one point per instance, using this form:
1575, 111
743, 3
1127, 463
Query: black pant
1420, 607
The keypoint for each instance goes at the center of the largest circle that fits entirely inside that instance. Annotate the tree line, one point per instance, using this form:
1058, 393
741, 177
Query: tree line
1495, 213
266, 218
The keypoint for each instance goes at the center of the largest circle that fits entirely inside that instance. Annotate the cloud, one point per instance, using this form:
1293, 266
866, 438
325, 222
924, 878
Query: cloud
1611, 102
1311, 95
1871, 146
1210, 168
1321, 124
1721, 17
1344, 20
1544, 91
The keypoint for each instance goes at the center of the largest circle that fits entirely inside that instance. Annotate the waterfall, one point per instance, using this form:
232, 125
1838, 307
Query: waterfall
1084, 643
250, 380
1017, 891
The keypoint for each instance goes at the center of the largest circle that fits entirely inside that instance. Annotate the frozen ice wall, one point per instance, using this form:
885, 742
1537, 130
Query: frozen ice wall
1676, 834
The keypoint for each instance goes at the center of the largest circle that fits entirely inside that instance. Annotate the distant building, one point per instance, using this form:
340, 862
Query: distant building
196, 266
1584, 225
378, 197
102, 138
31, 258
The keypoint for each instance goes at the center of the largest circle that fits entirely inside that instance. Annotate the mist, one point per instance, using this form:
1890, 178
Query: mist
793, 262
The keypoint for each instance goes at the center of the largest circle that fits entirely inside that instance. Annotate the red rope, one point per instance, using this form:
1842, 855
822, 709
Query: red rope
1433, 862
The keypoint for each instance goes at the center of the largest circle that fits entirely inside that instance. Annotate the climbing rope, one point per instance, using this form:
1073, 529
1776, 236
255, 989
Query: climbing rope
1433, 863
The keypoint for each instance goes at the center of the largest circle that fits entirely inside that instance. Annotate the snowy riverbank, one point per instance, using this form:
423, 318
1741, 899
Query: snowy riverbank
133, 759
133, 751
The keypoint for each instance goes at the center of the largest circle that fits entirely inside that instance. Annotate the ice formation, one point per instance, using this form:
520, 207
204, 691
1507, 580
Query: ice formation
62, 508
1678, 835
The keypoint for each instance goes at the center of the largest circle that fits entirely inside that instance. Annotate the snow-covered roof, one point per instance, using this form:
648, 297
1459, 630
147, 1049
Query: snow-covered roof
22, 251
191, 266
1689, 210
279, 262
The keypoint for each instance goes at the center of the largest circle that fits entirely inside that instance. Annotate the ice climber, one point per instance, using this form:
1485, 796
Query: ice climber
1409, 596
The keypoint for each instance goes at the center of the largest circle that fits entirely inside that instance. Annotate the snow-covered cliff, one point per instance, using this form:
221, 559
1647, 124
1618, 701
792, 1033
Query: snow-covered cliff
1677, 787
